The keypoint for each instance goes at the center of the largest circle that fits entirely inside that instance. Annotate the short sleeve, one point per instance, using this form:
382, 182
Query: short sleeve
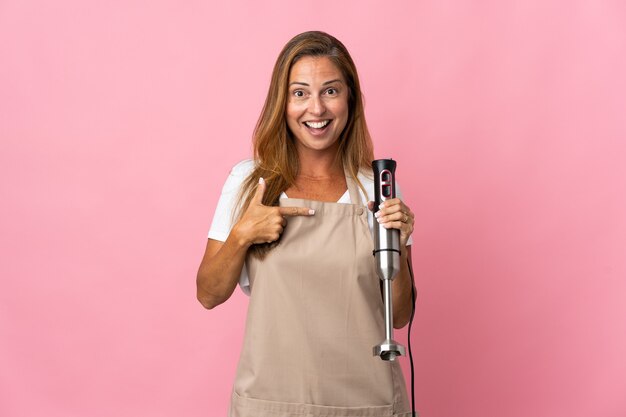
223, 218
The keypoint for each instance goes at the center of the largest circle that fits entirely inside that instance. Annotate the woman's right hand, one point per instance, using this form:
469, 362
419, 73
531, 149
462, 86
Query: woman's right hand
264, 224
222, 262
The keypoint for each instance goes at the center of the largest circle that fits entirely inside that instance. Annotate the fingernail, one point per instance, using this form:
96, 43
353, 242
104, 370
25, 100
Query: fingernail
311, 212
377, 214
261, 180
382, 205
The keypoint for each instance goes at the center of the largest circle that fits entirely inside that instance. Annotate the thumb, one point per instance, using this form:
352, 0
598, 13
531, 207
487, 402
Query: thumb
257, 198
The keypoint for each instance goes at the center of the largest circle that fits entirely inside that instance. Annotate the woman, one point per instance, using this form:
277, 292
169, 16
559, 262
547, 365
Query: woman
292, 229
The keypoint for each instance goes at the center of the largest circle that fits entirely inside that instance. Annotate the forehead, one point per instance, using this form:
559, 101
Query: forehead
314, 68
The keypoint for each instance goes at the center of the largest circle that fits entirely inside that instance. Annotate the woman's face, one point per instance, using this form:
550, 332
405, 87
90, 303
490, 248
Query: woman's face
317, 104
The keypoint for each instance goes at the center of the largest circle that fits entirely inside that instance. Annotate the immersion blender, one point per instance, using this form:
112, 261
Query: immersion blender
387, 254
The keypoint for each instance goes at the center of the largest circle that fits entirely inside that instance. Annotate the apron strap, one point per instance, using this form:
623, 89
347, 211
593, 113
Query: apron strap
353, 189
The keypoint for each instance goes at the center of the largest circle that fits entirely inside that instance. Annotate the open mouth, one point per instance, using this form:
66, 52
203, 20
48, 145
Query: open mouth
317, 127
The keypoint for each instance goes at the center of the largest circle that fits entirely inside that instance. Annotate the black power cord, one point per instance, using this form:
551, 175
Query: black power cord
409, 337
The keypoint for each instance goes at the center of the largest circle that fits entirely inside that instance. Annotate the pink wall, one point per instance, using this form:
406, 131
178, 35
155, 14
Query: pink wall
119, 122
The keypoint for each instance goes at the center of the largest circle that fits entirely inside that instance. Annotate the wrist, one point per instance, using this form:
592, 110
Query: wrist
240, 237
403, 253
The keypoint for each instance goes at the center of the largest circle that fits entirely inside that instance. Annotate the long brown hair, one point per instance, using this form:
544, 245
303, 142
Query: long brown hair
276, 158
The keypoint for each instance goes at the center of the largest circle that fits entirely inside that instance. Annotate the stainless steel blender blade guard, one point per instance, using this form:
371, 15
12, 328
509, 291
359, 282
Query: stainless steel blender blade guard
388, 350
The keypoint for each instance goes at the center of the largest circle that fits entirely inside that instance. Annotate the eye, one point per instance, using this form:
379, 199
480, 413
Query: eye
331, 91
298, 93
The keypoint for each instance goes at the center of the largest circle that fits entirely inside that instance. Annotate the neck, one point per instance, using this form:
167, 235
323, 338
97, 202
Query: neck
314, 164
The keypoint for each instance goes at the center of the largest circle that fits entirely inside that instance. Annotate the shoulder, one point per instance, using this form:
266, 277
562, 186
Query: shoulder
238, 173
229, 200
243, 168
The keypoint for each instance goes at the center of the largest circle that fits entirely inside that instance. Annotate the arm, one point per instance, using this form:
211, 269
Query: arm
402, 304
222, 262
220, 270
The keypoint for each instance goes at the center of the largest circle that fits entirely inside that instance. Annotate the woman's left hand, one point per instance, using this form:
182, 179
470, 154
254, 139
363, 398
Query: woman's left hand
394, 214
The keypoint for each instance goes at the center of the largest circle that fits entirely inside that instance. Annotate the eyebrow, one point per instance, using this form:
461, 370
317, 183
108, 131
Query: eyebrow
307, 85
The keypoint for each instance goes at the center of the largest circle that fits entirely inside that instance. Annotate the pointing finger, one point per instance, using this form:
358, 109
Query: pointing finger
257, 198
295, 211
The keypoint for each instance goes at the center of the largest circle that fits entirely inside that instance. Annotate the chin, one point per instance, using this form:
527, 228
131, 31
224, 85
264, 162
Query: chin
321, 146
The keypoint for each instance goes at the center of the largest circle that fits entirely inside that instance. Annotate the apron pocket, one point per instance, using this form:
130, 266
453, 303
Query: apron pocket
253, 407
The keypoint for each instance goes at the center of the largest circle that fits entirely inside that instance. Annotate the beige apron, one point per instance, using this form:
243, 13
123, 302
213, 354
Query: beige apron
315, 313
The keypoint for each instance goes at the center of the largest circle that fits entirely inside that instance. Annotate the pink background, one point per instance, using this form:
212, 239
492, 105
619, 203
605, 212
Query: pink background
120, 120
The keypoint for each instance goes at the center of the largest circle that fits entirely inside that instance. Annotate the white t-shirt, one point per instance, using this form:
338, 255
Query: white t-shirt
222, 220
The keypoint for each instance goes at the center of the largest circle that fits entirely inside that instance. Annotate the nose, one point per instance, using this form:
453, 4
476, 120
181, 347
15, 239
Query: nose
316, 106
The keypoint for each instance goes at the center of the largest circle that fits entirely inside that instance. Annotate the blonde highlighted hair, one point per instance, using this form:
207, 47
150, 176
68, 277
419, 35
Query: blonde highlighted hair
274, 149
